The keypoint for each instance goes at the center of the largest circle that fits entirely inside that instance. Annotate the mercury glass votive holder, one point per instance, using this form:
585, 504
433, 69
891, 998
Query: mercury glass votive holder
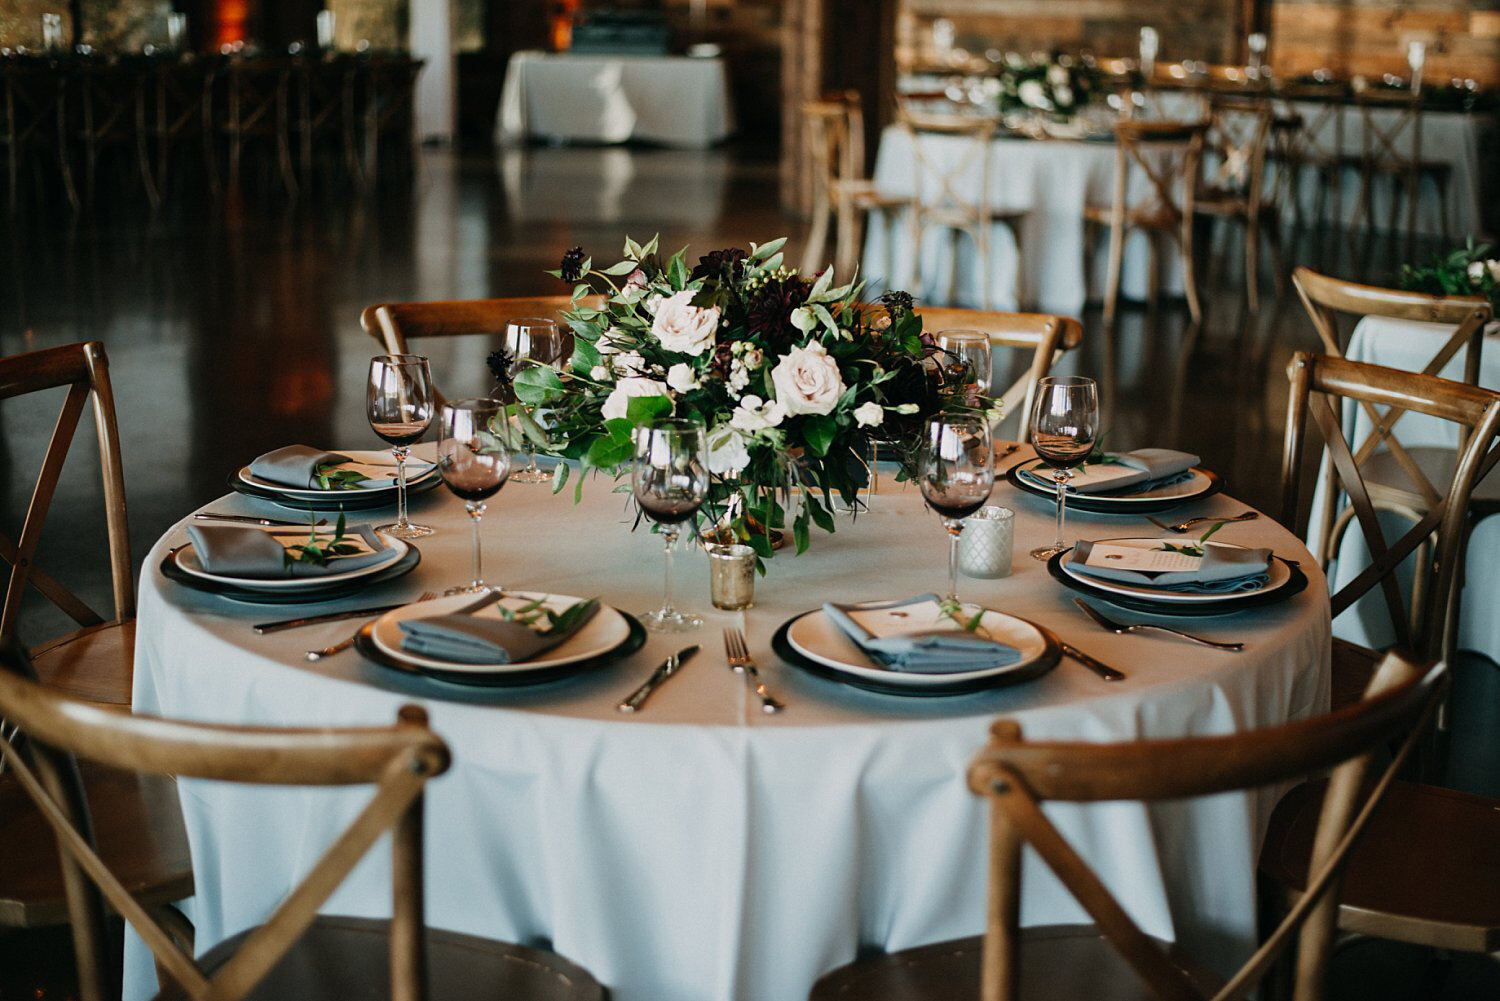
984, 548
731, 577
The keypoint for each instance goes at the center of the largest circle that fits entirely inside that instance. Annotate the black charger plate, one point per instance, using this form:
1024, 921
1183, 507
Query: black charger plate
403, 566
1046, 662
1224, 606
364, 642
337, 500
1117, 504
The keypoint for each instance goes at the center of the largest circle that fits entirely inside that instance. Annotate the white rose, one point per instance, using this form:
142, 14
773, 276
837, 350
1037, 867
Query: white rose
754, 358
755, 414
681, 326
807, 381
1064, 95
869, 414
1033, 96
1476, 272
599, 373
1057, 75
628, 363
726, 451
682, 378
619, 398
1494, 269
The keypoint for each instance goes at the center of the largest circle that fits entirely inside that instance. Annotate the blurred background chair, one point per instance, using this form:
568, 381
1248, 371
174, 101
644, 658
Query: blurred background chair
836, 143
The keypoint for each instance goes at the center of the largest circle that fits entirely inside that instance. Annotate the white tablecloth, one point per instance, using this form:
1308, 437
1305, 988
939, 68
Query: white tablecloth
672, 100
1409, 345
1051, 181
704, 851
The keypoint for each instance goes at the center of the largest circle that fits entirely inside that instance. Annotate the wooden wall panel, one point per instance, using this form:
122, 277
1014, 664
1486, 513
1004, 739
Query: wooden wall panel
1369, 37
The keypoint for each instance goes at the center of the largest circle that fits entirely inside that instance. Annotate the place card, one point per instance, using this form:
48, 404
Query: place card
921, 616
1103, 554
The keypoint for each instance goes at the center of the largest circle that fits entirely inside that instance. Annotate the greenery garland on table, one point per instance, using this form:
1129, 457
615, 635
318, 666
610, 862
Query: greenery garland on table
1466, 270
1056, 85
791, 376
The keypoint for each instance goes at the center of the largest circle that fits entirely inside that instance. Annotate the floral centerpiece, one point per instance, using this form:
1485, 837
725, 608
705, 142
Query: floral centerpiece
1466, 270
791, 376
1058, 85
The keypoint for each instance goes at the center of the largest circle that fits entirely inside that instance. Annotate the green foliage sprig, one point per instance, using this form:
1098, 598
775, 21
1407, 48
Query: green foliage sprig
1194, 548
952, 608
318, 550
535, 615
331, 476
1466, 270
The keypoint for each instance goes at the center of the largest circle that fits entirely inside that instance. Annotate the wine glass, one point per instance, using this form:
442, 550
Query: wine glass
399, 403
969, 352
670, 482
1064, 425
532, 341
956, 471
474, 464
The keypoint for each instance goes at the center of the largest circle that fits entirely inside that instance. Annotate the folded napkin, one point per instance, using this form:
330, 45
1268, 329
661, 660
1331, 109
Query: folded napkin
1220, 570
467, 638
917, 639
252, 552
294, 465
1149, 466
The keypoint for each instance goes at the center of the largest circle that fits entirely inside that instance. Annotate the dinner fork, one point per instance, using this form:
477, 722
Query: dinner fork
740, 663
1183, 526
342, 645
1129, 627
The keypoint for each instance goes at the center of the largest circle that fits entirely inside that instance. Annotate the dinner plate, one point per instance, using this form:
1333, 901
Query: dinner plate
1204, 483
1285, 579
814, 643
242, 482
610, 635
186, 558
326, 591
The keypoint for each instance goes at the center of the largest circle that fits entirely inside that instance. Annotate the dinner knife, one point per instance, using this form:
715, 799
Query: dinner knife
253, 520
668, 667
1100, 668
313, 620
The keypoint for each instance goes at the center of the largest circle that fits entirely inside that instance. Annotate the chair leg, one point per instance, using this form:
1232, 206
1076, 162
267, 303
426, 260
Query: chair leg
1112, 274
1190, 272
817, 237
1020, 283
1252, 259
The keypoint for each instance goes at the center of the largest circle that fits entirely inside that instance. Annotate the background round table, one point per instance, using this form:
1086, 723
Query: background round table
700, 850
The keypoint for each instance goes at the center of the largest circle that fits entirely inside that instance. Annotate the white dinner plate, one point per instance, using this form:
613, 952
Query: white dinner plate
1278, 576
417, 472
187, 561
601, 634
817, 638
1200, 484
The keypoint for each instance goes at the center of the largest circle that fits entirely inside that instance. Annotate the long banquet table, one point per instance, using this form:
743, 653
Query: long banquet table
703, 850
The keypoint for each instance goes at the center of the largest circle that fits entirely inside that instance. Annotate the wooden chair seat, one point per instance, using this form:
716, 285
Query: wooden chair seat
1058, 963
1426, 872
1389, 481
137, 825
1353, 667
341, 957
95, 664
864, 194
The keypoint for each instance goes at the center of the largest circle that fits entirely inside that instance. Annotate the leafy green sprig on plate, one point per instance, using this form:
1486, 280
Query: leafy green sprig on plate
318, 550
535, 615
952, 608
1194, 548
330, 476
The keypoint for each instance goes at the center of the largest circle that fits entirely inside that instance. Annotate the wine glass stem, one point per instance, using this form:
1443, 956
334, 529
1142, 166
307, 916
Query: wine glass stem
666, 601
476, 511
955, 528
1061, 476
400, 451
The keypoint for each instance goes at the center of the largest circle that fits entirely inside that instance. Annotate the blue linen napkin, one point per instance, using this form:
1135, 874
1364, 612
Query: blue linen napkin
466, 638
1150, 468
1221, 570
924, 649
256, 553
294, 465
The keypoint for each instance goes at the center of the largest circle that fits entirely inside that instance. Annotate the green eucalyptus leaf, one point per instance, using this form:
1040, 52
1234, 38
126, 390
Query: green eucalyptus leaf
537, 384
819, 433
642, 410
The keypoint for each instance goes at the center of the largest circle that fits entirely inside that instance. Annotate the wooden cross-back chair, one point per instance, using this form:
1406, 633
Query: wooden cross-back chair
1316, 383
1048, 338
1168, 156
296, 953
836, 147
96, 661
1316, 142
954, 194
1234, 185
258, 106
1113, 958
1392, 147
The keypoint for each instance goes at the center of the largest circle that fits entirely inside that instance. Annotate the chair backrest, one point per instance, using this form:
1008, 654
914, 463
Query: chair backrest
1325, 298
1239, 130
1047, 337
1168, 156
84, 370
1019, 776
395, 324
836, 138
396, 760
1392, 128
951, 187
1316, 381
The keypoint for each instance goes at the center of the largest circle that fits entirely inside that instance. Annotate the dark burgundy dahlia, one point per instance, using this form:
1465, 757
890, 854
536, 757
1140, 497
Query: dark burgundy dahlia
769, 315
572, 264
725, 264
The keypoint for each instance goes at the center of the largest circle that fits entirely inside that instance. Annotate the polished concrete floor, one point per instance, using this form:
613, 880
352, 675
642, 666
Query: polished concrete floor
233, 328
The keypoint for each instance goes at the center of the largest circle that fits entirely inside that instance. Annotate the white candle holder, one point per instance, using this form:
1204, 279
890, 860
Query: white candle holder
985, 548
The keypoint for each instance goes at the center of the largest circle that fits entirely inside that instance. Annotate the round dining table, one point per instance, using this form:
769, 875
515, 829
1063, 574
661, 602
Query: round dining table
700, 849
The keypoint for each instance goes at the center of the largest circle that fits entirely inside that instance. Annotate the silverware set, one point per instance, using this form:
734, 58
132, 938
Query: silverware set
344, 644
1183, 526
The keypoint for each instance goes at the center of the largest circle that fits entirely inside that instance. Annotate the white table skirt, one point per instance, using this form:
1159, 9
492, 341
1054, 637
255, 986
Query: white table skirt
704, 851
672, 100
1051, 181
1409, 345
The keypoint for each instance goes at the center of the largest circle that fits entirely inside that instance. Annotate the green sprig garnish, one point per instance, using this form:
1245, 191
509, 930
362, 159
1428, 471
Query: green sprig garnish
1194, 548
952, 608
330, 476
318, 550
534, 615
